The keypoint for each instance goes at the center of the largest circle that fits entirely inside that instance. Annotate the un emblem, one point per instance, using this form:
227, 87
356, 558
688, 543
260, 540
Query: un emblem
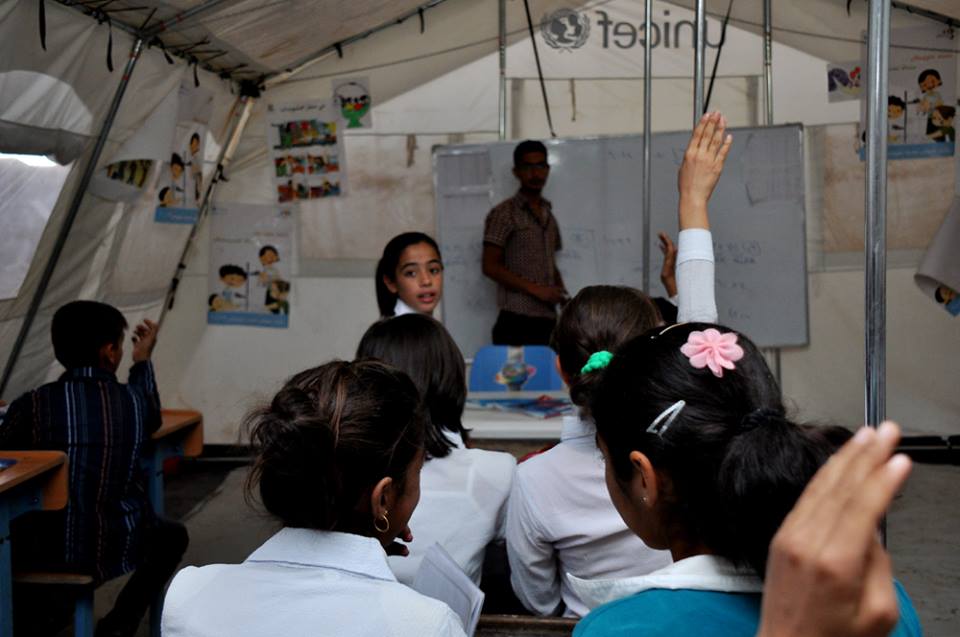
565, 29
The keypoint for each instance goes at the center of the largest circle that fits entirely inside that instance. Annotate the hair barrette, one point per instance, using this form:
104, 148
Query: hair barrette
597, 360
713, 350
662, 422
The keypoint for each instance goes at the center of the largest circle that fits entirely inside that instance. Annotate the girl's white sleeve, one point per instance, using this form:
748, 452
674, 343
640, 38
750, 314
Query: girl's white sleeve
695, 277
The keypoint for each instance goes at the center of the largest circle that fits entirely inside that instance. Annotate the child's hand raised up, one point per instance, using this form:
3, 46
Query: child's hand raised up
144, 339
668, 273
701, 169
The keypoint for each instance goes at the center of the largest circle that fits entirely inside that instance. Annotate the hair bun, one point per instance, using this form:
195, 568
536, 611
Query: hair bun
760, 417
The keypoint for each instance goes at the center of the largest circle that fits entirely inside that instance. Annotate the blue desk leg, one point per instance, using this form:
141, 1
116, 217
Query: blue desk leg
155, 493
6, 578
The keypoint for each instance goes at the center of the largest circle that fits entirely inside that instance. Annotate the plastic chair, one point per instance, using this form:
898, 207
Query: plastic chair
505, 368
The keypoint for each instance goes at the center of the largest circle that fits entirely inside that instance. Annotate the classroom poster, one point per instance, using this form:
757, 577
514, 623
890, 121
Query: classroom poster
306, 149
352, 97
180, 186
844, 81
938, 276
251, 257
131, 170
922, 96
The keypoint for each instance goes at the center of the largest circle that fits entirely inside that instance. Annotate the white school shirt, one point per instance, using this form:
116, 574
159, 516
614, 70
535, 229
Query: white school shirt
303, 583
560, 519
402, 308
463, 506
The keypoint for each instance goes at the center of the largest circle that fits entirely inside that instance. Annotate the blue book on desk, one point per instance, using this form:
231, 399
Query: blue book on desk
542, 407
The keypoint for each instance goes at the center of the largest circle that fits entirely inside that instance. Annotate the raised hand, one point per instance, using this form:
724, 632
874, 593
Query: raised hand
144, 340
668, 273
701, 169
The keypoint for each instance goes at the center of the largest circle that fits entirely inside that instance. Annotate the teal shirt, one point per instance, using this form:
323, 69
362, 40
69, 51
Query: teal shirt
679, 613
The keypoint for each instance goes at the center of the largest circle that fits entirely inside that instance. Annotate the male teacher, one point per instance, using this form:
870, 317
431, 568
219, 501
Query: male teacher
520, 241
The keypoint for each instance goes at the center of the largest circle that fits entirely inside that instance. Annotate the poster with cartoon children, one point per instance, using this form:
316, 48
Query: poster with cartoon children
250, 265
180, 184
922, 96
306, 150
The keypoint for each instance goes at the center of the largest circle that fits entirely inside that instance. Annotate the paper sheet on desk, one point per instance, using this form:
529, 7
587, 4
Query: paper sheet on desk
441, 578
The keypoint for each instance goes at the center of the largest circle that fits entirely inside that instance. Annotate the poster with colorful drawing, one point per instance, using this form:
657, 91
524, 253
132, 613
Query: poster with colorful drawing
352, 97
844, 81
306, 151
180, 185
251, 258
921, 95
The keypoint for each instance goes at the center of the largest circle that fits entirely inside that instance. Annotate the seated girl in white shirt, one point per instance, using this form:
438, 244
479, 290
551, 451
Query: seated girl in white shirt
409, 275
463, 492
560, 518
701, 459
338, 456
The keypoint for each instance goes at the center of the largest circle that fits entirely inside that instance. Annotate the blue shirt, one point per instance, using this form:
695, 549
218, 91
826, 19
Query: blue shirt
677, 613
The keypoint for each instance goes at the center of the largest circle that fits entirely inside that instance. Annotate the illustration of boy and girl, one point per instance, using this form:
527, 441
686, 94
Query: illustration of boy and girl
235, 294
174, 195
306, 133
309, 164
930, 104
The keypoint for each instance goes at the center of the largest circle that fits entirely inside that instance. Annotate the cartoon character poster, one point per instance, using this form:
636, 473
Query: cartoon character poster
180, 185
922, 96
306, 151
352, 97
251, 257
844, 81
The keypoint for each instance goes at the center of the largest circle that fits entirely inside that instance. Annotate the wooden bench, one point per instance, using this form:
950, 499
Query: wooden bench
81, 587
524, 626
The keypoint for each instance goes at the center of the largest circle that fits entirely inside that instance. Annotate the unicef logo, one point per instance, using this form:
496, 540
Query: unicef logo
565, 29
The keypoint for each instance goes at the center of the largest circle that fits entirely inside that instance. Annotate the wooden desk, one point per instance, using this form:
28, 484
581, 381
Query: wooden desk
37, 482
179, 436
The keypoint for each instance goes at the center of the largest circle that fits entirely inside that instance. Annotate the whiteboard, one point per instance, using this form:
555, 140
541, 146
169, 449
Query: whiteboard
595, 185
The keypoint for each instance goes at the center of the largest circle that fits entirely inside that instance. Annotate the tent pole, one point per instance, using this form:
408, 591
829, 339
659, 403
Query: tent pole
698, 57
647, 133
180, 18
768, 121
71, 214
226, 156
502, 119
876, 207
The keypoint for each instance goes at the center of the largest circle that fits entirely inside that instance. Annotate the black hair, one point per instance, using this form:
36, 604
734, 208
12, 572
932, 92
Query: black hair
163, 193
525, 147
210, 300
81, 328
599, 317
266, 249
420, 346
328, 436
731, 465
282, 286
387, 266
232, 269
195, 136
946, 112
927, 73
893, 100
175, 160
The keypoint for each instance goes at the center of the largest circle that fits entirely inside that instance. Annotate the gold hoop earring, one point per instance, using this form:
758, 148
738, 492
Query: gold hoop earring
386, 523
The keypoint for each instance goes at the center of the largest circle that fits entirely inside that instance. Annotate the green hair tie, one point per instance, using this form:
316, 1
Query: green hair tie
597, 360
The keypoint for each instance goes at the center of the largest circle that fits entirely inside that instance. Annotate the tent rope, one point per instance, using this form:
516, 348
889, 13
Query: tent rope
43, 24
536, 56
716, 60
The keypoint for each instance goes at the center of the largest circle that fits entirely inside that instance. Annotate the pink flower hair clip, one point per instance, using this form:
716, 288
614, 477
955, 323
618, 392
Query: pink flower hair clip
713, 350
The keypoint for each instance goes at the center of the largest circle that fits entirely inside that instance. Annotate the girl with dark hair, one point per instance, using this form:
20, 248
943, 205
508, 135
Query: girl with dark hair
463, 491
338, 453
701, 459
560, 519
409, 275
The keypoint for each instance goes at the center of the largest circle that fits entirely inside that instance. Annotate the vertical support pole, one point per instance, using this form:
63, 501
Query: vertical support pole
71, 214
647, 133
502, 119
768, 121
875, 230
698, 57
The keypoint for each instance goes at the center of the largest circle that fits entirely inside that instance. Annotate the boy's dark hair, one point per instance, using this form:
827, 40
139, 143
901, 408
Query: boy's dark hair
731, 465
176, 159
81, 328
893, 100
163, 193
946, 112
599, 317
927, 73
266, 249
421, 347
195, 136
282, 286
232, 269
333, 432
525, 147
387, 266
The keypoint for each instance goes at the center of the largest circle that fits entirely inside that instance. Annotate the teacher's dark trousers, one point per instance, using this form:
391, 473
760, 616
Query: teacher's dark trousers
517, 329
